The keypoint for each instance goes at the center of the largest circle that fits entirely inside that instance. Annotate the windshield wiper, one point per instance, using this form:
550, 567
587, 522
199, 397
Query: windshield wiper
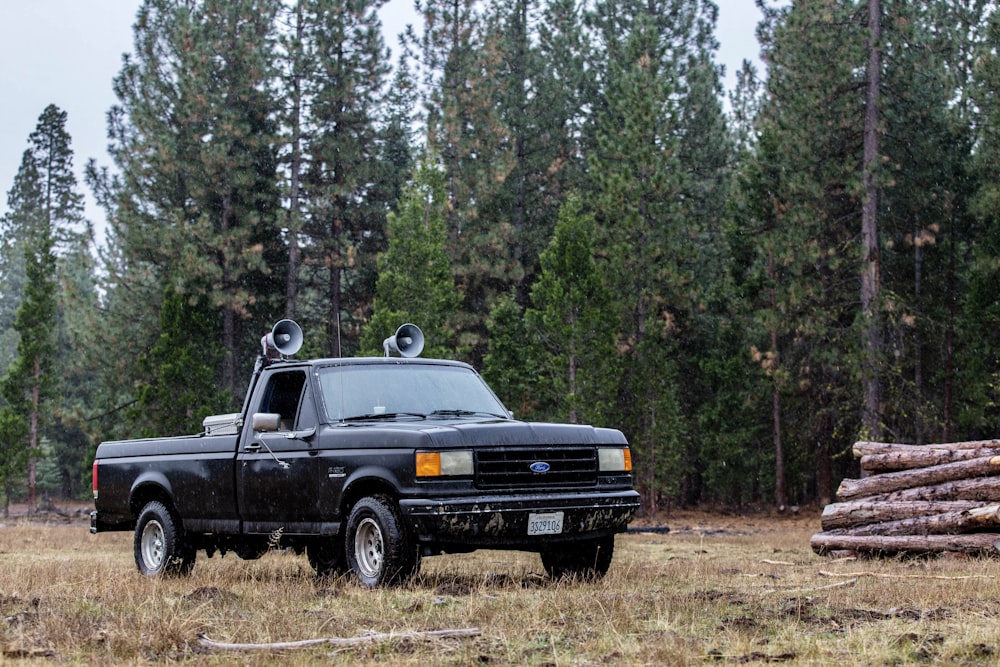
384, 415
465, 413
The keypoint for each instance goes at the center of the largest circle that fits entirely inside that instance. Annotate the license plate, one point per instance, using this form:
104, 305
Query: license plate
545, 523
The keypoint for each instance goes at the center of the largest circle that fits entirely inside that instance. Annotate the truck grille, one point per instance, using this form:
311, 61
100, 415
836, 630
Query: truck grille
511, 467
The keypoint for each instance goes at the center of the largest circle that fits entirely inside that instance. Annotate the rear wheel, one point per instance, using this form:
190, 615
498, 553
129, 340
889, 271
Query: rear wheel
159, 546
379, 549
586, 560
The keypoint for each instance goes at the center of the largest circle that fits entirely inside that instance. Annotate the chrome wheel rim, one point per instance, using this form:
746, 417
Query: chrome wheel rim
152, 545
368, 548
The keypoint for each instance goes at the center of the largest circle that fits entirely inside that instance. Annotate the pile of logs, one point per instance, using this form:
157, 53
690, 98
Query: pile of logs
917, 499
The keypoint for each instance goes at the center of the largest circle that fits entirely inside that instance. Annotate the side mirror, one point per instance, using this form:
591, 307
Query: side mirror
265, 422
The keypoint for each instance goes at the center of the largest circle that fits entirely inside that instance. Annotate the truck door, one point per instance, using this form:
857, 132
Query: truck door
277, 472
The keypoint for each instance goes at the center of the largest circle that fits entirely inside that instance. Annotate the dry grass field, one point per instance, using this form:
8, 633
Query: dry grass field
716, 589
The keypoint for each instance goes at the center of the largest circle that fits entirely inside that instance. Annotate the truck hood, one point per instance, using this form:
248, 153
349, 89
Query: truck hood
470, 433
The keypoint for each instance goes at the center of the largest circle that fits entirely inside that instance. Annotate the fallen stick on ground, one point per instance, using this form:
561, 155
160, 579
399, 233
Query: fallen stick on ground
336, 641
879, 575
839, 584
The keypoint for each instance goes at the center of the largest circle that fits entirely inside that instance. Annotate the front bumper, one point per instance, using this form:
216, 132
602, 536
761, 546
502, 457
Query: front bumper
502, 521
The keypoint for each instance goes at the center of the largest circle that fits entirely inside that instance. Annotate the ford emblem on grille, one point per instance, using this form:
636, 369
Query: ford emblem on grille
540, 466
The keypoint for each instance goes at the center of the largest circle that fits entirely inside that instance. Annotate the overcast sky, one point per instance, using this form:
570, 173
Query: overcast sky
66, 52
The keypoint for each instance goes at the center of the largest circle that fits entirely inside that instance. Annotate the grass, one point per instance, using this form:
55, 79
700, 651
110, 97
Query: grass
722, 590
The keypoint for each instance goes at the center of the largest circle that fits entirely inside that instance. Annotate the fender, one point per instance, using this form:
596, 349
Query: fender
145, 483
360, 481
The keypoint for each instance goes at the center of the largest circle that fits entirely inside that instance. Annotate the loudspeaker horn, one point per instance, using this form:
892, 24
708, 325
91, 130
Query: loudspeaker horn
285, 337
408, 341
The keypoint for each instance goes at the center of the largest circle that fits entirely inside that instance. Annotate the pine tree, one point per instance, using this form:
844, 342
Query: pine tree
78, 309
571, 328
533, 52
979, 389
805, 199
295, 73
343, 207
924, 219
659, 145
194, 203
182, 361
637, 180
45, 210
415, 282
508, 365
459, 68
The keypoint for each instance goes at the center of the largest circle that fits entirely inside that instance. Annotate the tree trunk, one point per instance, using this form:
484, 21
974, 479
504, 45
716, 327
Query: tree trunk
870, 272
860, 513
780, 491
824, 473
228, 314
571, 380
974, 543
918, 342
907, 479
295, 168
334, 333
33, 435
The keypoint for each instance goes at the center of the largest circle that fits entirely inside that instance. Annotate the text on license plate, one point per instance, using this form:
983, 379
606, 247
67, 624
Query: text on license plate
545, 523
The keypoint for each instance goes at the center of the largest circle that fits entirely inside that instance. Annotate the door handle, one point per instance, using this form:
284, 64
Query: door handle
252, 447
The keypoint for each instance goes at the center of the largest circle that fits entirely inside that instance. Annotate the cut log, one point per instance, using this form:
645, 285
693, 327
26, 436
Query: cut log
860, 513
964, 521
917, 499
972, 543
905, 479
920, 457
865, 447
983, 489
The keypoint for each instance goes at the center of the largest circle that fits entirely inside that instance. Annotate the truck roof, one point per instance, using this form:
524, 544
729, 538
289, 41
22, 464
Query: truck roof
359, 361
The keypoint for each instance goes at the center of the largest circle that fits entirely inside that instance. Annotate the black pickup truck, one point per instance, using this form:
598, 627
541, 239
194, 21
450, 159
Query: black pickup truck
366, 465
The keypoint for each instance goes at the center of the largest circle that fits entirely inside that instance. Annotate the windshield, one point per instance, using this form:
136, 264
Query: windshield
371, 391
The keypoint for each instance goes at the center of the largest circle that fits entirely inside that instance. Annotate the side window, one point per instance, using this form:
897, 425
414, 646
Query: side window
283, 396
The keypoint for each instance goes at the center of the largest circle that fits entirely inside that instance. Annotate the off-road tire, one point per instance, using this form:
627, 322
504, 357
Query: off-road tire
159, 546
379, 549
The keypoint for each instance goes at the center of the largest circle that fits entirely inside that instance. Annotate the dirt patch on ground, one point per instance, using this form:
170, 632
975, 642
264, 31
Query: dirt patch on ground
716, 522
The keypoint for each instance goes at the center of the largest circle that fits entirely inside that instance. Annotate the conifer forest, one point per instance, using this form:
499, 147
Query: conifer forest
561, 193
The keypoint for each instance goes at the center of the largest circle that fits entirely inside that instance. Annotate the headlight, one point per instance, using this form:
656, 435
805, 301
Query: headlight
448, 463
614, 459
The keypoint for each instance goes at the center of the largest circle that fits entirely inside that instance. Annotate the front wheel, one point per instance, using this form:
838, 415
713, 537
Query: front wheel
588, 560
379, 549
159, 546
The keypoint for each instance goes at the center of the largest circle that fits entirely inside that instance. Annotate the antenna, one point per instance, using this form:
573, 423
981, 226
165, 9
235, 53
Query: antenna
339, 353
